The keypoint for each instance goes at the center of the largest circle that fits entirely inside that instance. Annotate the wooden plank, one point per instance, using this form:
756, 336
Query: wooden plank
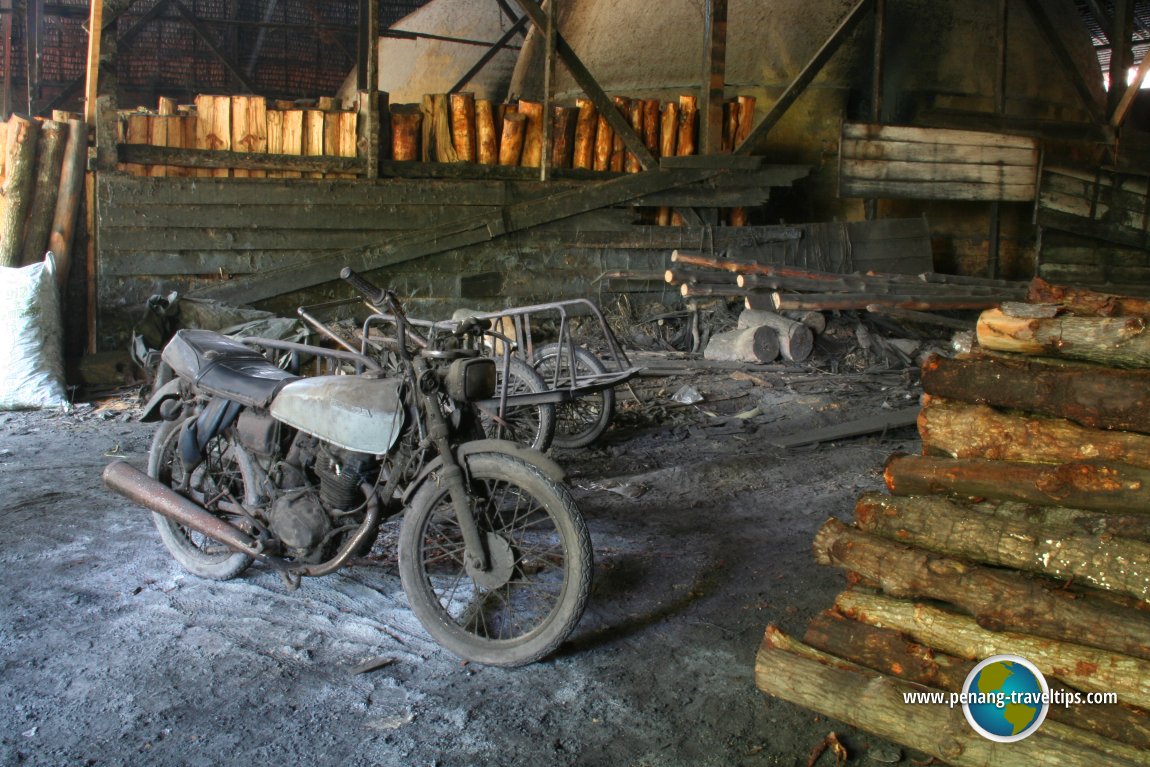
214, 128
236, 239
1099, 230
883, 170
465, 231
249, 130
895, 419
958, 138
862, 149
168, 263
222, 161
914, 190
366, 216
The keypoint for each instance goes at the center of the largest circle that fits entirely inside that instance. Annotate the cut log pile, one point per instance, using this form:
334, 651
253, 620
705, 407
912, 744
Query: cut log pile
41, 181
1022, 529
779, 288
241, 124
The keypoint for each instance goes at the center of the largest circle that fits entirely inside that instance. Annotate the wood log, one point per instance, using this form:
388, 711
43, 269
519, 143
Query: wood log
406, 132
877, 703
796, 341
816, 321
463, 129
686, 143
487, 139
709, 290
19, 186
53, 137
285, 137
427, 131
1118, 342
682, 276
1097, 486
669, 130
340, 138
1085, 302
533, 136
68, 200
563, 136
604, 144
249, 130
922, 318
755, 345
1000, 600
214, 127
442, 143
618, 162
651, 124
946, 527
1096, 523
511, 143
138, 131
730, 124
858, 301
893, 653
3, 151
635, 116
962, 430
314, 134
585, 129
1092, 395
1083, 668
746, 119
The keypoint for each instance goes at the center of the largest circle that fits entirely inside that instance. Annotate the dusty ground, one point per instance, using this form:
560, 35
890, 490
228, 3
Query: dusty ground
110, 654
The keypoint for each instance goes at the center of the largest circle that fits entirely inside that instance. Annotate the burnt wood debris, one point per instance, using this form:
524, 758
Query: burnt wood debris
1022, 529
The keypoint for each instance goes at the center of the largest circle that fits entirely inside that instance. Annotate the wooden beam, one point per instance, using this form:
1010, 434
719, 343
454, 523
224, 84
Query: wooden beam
548, 83
32, 26
204, 35
591, 87
1122, 110
457, 232
878, 76
1121, 53
95, 33
144, 154
1003, 49
714, 76
1065, 59
804, 77
516, 29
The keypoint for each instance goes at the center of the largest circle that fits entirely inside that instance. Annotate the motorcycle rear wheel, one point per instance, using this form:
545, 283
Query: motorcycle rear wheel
581, 420
529, 425
226, 472
530, 600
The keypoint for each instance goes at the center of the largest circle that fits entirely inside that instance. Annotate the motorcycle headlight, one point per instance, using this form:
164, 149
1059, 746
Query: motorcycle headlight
471, 379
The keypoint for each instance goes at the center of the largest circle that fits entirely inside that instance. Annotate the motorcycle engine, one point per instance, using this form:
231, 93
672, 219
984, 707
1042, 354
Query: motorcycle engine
310, 520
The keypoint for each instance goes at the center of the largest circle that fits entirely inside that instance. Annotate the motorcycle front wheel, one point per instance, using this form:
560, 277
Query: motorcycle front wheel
536, 589
225, 474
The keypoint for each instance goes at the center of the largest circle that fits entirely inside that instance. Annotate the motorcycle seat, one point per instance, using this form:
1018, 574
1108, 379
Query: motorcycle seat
225, 367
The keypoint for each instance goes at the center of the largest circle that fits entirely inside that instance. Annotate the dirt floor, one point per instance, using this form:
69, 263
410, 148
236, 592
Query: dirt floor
111, 654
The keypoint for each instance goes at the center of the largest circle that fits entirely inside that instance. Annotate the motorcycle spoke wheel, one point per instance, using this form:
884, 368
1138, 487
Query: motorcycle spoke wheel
579, 421
225, 475
535, 590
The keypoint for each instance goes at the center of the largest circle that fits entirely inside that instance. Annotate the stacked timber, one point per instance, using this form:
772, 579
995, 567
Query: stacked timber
779, 288
243, 126
1023, 529
41, 179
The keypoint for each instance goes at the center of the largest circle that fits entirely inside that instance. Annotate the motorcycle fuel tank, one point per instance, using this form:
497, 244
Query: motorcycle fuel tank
355, 413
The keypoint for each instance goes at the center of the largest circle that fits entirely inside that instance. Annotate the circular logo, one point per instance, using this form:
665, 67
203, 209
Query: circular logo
1005, 698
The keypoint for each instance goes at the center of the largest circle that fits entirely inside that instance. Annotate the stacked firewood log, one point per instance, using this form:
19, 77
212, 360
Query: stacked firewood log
779, 288
41, 181
1022, 529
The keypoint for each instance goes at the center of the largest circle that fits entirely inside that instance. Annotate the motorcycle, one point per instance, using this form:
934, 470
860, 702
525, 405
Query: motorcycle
252, 462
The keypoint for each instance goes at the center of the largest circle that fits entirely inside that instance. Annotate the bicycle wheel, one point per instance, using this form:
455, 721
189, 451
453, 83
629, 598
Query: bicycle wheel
580, 421
537, 588
530, 425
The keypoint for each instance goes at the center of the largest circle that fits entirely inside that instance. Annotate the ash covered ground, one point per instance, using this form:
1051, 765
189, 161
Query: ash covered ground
111, 654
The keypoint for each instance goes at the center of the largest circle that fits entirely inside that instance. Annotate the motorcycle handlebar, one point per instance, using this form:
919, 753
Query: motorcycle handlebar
372, 294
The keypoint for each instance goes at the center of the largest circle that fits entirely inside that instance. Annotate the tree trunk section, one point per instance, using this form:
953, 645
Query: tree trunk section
53, 136
511, 143
406, 130
1000, 600
533, 137
876, 703
962, 430
585, 129
487, 139
563, 136
1087, 303
214, 128
68, 201
1097, 486
1083, 668
19, 183
463, 126
816, 321
604, 144
635, 116
860, 301
618, 148
946, 527
1097, 523
796, 341
443, 141
1100, 397
686, 142
755, 345
1119, 342
651, 125
892, 653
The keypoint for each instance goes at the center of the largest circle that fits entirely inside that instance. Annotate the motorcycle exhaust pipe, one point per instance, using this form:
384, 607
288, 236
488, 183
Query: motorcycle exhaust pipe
139, 488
